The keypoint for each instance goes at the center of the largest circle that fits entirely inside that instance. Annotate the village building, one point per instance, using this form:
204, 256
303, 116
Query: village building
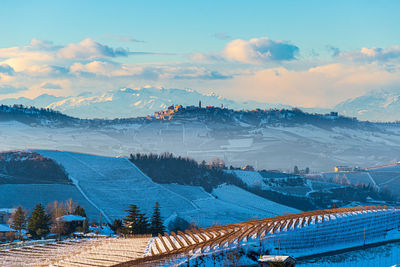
5, 215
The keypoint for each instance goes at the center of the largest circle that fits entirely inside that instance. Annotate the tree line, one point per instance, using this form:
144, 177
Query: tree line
184, 170
43, 221
31, 167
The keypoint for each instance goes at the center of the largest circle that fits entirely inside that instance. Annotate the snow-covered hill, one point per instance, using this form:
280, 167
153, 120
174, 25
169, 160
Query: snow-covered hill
264, 147
128, 102
375, 106
111, 184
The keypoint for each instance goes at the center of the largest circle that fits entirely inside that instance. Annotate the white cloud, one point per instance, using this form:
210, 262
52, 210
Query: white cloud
255, 51
260, 50
95, 67
89, 49
322, 86
374, 54
90, 66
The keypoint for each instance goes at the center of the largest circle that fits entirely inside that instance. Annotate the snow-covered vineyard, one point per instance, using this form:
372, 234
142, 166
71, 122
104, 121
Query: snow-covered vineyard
300, 234
297, 235
86, 252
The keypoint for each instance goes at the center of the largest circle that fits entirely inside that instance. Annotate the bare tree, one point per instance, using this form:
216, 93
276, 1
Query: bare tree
18, 219
70, 206
56, 209
59, 228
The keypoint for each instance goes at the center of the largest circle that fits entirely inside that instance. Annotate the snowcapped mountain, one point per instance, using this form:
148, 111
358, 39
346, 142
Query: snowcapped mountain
41, 101
128, 102
380, 105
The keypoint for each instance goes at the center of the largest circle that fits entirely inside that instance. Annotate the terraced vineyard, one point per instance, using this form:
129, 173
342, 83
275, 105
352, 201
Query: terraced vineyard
86, 252
110, 184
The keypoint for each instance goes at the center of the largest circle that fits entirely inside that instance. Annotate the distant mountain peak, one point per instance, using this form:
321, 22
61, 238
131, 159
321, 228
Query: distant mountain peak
128, 90
128, 102
376, 105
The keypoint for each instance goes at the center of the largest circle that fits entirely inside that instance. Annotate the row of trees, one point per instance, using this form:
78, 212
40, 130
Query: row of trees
136, 222
43, 221
167, 168
31, 167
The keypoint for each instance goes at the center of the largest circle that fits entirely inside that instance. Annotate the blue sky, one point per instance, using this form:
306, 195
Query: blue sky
176, 34
188, 26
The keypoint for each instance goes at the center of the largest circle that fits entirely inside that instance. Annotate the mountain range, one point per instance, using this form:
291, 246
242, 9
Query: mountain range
127, 102
383, 105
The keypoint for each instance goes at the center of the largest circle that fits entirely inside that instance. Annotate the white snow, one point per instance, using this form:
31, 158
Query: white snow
6, 228
111, 184
251, 178
235, 195
71, 218
277, 148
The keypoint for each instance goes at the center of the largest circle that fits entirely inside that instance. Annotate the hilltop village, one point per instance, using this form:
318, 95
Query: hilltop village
191, 113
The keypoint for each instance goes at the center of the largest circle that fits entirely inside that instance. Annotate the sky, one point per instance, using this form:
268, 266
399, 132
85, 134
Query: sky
301, 53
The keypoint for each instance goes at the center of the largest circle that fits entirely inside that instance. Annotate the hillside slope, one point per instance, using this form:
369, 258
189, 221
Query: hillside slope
264, 147
380, 105
111, 184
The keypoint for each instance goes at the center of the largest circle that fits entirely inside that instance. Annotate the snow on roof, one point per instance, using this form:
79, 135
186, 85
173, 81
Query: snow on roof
70, 218
274, 258
5, 228
7, 210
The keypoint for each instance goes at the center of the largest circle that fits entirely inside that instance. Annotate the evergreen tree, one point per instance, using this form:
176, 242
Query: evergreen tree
78, 226
38, 224
116, 226
135, 222
143, 226
157, 226
19, 219
80, 211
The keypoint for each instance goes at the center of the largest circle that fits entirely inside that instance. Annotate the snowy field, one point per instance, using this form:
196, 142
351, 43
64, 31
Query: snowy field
250, 178
28, 195
277, 183
111, 184
386, 177
240, 197
266, 147
351, 177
